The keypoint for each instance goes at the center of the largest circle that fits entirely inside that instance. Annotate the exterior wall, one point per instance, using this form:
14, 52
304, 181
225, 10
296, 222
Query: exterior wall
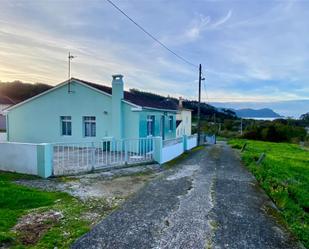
184, 128
17, 157
2, 117
2, 122
130, 122
2, 136
168, 134
38, 121
191, 142
172, 151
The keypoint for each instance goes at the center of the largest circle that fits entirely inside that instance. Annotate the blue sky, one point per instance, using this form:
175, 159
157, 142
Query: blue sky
252, 51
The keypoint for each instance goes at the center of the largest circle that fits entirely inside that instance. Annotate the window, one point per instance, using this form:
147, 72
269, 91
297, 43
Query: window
66, 125
150, 125
89, 126
171, 120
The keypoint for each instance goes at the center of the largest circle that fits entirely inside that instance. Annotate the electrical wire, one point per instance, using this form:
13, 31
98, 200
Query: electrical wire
150, 35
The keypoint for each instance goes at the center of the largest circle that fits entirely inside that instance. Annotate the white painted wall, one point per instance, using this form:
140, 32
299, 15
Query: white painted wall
18, 157
2, 136
191, 142
171, 151
184, 128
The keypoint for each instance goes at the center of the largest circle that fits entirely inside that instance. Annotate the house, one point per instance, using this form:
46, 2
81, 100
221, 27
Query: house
183, 120
81, 111
5, 102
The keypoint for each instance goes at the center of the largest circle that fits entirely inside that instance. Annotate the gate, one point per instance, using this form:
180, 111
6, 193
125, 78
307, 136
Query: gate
73, 158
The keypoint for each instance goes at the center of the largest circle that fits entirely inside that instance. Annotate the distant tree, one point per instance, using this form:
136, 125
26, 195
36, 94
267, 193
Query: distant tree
305, 117
19, 91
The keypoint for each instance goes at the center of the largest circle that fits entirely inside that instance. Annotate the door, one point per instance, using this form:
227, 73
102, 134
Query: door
162, 127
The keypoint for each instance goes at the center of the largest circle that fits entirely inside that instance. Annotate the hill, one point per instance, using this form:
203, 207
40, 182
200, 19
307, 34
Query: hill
259, 113
18, 91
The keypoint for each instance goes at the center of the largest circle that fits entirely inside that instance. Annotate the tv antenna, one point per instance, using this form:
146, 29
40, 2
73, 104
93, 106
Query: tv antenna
70, 58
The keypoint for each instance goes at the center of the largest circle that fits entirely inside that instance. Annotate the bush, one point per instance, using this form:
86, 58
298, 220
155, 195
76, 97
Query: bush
276, 132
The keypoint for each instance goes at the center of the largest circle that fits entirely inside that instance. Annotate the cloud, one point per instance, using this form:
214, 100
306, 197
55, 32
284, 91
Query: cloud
248, 50
223, 20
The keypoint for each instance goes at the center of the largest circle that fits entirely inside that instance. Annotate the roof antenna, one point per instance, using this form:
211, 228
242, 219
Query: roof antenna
70, 57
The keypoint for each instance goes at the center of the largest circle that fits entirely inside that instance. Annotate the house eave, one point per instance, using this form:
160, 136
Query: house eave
159, 109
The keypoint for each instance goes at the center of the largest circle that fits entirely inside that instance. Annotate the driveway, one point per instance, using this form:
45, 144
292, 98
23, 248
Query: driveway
209, 200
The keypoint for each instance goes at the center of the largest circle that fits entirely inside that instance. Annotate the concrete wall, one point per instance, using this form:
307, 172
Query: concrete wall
191, 142
184, 128
172, 151
19, 157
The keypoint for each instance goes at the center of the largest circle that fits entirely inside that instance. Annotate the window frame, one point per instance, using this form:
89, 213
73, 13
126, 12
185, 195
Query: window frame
65, 128
150, 123
92, 122
171, 123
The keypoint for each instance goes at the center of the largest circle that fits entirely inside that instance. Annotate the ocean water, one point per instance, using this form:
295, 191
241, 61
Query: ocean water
259, 118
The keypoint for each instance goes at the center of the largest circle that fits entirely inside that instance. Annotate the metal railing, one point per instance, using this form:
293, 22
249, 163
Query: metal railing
72, 158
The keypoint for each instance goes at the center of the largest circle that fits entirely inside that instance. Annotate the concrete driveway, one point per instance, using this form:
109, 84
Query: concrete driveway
209, 200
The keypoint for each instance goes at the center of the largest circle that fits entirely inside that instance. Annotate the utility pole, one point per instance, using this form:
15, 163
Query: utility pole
199, 106
70, 57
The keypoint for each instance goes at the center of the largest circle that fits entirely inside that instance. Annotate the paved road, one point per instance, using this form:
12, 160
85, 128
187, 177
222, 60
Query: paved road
208, 201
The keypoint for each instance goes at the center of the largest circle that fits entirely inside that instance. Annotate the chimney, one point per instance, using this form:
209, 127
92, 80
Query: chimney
180, 104
117, 96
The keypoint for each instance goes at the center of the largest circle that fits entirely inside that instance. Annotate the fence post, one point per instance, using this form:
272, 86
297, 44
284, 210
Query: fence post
157, 149
126, 156
185, 142
92, 156
45, 160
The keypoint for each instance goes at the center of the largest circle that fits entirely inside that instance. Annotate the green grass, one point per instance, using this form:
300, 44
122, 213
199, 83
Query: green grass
16, 200
284, 175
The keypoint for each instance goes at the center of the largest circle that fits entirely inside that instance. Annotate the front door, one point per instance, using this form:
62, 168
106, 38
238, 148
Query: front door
162, 127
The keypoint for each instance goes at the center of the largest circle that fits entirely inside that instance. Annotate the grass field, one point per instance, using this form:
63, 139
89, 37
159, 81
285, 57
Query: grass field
284, 175
16, 201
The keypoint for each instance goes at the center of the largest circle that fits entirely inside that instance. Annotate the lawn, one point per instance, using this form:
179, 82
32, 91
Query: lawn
284, 175
16, 201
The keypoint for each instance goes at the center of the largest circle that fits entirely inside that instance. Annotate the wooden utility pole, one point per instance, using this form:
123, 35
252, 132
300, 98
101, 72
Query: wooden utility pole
199, 106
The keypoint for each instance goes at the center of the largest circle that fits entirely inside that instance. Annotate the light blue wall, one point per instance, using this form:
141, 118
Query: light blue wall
130, 122
38, 121
158, 114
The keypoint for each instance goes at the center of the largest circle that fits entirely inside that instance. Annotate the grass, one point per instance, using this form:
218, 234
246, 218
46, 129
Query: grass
284, 175
16, 200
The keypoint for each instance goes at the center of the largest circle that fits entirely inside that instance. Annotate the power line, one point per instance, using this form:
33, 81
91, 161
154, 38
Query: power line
150, 35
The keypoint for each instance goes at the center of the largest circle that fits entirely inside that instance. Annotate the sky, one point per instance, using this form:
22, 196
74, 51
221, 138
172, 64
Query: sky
254, 52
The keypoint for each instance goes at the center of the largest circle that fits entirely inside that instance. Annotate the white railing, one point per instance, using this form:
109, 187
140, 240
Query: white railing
72, 158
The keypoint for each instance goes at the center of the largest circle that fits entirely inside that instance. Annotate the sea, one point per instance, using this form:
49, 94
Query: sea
259, 118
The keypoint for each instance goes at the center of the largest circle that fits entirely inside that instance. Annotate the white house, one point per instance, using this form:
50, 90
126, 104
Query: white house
183, 120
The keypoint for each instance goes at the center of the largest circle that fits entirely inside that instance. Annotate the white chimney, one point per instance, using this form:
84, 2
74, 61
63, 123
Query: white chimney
117, 96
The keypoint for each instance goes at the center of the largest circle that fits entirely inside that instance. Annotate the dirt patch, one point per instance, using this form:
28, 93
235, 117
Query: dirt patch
107, 185
31, 227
